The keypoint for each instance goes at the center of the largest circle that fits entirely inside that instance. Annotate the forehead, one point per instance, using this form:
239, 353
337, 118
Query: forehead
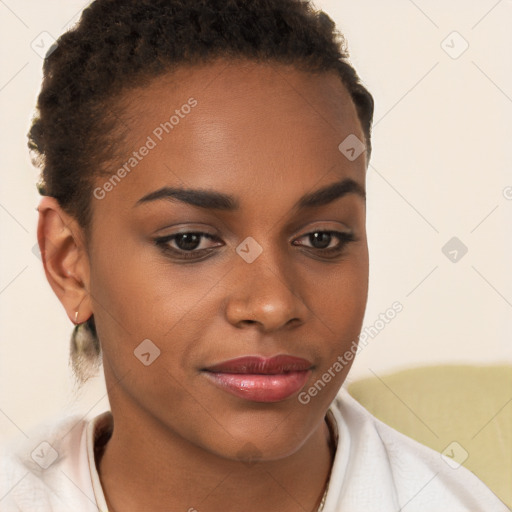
245, 87
237, 125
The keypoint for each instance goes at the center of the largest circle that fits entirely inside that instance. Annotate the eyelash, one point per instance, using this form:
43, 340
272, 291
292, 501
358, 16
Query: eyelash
163, 244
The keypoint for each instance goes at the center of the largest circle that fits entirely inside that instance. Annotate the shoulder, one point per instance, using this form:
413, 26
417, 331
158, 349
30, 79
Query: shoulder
400, 471
48, 469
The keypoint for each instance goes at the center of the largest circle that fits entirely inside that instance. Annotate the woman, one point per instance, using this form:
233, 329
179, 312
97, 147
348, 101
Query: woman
203, 224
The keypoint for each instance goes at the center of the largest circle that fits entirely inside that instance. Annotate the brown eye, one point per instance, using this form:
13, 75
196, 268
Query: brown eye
322, 240
188, 241
185, 245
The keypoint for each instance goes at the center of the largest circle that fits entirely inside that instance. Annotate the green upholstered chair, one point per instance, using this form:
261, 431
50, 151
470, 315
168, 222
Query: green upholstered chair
464, 412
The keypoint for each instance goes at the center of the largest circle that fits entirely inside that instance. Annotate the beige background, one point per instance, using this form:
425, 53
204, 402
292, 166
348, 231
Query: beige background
441, 167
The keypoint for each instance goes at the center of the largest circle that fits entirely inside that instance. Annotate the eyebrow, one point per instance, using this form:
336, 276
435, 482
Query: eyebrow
213, 200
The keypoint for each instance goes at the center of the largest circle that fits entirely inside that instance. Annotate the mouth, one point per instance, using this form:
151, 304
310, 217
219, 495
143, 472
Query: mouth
260, 379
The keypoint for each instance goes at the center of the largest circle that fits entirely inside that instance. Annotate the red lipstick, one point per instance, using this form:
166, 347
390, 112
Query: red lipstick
261, 379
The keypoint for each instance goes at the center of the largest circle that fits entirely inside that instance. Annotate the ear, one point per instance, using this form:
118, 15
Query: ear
65, 260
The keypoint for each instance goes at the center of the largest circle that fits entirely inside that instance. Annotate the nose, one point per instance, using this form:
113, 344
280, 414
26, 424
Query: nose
265, 292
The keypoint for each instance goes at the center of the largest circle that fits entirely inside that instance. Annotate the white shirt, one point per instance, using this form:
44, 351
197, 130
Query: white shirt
375, 468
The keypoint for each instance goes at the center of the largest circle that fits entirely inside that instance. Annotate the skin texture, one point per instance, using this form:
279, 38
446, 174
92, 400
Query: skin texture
266, 134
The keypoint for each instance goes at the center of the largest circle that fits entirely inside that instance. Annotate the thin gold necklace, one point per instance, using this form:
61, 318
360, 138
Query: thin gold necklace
324, 497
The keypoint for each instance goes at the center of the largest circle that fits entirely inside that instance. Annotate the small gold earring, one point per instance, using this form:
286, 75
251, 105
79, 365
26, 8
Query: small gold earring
76, 317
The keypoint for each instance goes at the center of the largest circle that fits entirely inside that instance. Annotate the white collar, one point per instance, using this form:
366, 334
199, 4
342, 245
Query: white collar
96, 429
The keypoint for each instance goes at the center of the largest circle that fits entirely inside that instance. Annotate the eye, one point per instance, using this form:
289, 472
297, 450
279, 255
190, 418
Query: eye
186, 244
322, 241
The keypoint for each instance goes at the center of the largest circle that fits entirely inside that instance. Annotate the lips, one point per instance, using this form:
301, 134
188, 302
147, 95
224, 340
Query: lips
260, 379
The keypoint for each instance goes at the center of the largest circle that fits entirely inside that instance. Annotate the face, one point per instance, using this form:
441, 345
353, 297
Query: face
260, 266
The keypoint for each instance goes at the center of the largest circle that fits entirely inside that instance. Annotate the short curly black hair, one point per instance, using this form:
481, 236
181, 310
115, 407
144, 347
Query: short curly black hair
119, 44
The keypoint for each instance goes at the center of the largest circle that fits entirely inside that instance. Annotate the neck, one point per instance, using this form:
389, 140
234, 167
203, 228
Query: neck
147, 467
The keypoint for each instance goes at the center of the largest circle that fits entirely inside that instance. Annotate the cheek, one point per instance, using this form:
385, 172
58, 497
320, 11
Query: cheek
340, 306
340, 293
339, 314
139, 296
